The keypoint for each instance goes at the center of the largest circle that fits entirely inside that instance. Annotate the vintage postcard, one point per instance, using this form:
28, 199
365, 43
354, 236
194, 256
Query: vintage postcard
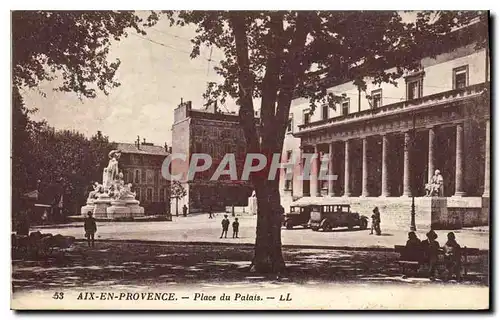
250, 160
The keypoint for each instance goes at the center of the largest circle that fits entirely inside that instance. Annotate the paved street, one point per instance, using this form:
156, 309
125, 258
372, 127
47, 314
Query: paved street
201, 229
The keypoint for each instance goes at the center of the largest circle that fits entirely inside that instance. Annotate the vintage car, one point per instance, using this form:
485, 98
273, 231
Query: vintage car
297, 216
328, 216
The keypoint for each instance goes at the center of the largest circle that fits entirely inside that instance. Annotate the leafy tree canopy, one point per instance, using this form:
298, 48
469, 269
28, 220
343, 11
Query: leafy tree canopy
71, 46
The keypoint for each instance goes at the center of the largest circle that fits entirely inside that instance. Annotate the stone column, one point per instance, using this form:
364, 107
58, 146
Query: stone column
406, 165
486, 192
430, 164
364, 185
331, 192
459, 161
315, 184
385, 174
301, 173
347, 182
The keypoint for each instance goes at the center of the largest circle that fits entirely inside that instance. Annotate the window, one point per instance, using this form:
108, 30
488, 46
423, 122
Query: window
150, 174
377, 98
138, 194
149, 195
414, 90
137, 174
324, 112
289, 125
162, 195
461, 77
345, 107
143, 176
414, 86
307, 116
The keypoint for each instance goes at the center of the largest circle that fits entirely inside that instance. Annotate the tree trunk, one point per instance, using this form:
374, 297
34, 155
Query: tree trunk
268, 257
176, 207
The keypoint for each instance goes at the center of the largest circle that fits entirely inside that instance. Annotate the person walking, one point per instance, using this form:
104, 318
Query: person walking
236, 226
184, 210
225, 226
90, 229
210, 214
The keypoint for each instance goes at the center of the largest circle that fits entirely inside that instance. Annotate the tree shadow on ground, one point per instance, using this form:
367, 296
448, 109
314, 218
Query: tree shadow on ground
121, 264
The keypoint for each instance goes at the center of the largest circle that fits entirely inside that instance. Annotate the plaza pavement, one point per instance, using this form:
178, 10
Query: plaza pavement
201, 229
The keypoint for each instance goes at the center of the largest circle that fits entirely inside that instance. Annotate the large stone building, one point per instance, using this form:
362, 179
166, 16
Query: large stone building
209, 131
385, 144
141, 164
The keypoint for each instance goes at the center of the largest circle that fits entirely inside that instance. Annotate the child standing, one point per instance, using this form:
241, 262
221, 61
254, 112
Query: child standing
236, 226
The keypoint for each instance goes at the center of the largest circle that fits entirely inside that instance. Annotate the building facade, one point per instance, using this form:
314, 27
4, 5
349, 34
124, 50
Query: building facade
141, 164
387, 142
209, 131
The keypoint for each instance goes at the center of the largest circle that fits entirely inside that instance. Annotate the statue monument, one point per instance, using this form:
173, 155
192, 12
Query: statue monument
113, 198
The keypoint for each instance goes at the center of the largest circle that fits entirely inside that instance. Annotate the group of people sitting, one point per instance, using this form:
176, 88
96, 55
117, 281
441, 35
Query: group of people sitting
427, 252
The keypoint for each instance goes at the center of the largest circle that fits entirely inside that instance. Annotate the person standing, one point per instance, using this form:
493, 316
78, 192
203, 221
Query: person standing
452, 257
184, 210
90, 229
210, 214
376, 221
225, 226
236, 226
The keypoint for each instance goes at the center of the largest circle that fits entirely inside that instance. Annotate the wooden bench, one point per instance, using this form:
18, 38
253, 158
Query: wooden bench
405, 264
466, 253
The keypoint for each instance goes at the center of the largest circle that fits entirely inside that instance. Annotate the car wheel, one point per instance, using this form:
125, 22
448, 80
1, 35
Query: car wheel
363, 224
314, 229
350, 227
288, 225
327, 226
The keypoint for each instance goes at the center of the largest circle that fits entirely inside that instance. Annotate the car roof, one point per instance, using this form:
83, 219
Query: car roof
319, 201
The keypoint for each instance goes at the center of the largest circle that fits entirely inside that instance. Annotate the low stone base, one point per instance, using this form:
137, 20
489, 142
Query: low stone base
430, 212
113, 210
86, 209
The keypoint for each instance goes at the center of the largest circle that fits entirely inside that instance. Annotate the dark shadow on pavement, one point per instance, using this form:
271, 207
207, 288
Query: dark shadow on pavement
121, 264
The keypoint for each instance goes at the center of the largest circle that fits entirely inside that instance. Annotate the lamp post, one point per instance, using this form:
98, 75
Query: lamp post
412, 213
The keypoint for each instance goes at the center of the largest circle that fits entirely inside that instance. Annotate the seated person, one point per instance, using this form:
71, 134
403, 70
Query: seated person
413, 248
430, 251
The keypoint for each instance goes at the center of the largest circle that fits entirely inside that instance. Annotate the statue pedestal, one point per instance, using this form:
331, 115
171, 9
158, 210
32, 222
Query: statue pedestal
87, 208
115, 200
125, 208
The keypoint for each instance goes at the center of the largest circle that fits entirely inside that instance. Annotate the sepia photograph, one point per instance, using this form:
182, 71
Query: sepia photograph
250, 160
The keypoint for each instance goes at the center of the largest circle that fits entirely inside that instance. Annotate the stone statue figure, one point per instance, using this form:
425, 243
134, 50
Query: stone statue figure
113, 173
121, 182
105, 178
126, 191
93, 194
436, 185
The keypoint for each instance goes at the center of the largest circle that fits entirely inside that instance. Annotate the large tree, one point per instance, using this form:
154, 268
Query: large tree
278, 56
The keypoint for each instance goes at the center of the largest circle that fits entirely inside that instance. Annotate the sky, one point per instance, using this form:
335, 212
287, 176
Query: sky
153, 80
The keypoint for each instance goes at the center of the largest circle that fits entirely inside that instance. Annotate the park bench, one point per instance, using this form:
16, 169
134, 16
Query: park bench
39, 244
466, 262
